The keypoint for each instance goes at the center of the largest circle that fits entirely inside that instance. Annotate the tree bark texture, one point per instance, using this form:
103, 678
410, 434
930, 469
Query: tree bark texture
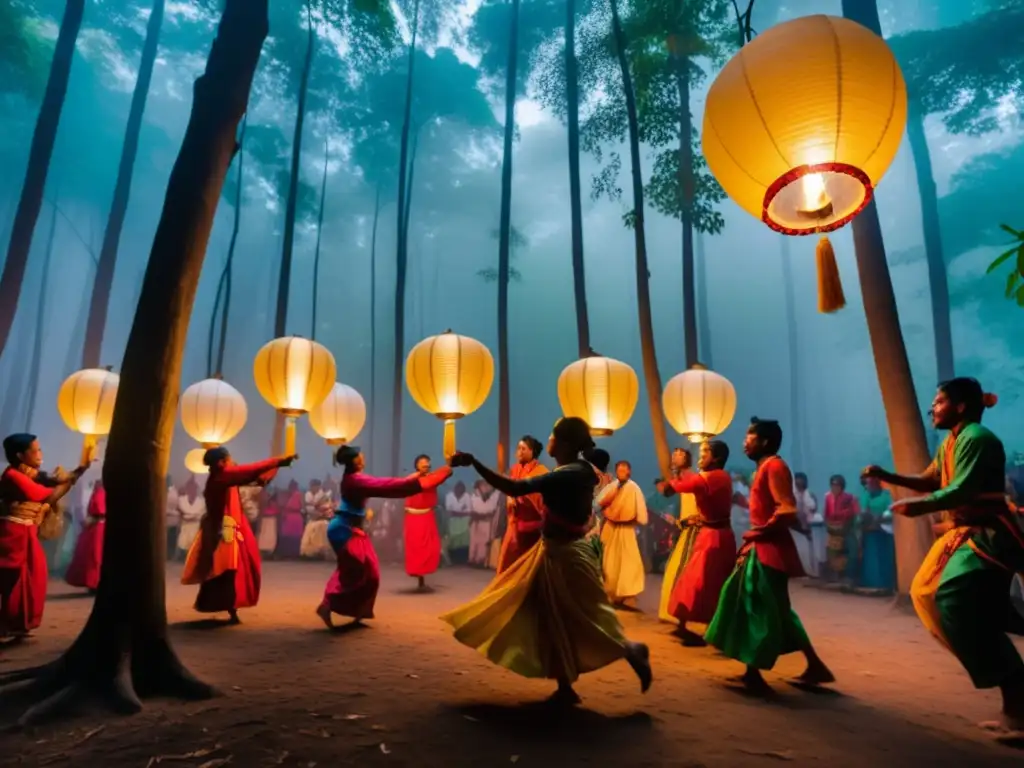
572, 109
37, 338
319, 235
686, 189
703, 311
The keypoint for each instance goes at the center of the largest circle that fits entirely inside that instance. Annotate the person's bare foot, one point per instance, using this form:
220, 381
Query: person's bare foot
753, 682
325, 615
639, 657
233, 617
816, 674
565, 696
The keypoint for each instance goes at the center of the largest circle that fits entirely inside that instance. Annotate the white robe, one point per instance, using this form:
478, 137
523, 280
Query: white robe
806, 510
622, 563
314, 542
481, 526
190, 514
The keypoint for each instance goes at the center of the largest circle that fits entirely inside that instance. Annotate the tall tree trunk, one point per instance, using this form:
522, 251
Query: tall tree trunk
124, 650
652, 378
95, 326
285, 277
37, 338
31, 201
906, 429
401, 257
222, 305
682, 64
504, 241
373, 327
703, 312
417, 299
572, 109
14, 391
796, 454
937, 279
319, 233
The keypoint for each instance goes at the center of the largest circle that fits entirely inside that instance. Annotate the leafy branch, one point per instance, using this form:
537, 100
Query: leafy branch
1014, 288
743, 21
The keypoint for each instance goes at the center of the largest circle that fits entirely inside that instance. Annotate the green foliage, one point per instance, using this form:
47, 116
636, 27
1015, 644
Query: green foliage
269, 148
489, 36
964, 72
1014, 279
24, 53
516, 240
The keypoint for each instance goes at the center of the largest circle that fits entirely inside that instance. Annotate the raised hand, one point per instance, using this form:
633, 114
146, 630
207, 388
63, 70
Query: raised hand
287, 461
872, 470
460, 459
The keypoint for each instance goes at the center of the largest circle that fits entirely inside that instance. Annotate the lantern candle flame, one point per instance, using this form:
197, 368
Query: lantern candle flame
816, 203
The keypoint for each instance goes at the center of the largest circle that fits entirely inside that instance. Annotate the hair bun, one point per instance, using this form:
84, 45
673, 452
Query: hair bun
989, 400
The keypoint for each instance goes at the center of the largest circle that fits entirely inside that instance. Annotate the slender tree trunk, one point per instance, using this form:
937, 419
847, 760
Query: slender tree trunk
504, 240
124, 650
401, 257
937, 279
41, 150
373, 326
902, 412
285, 276
682, 64
319, 233
793, 345
104, 281
652, 378
17, 379
417, 299
37, 340
572, 104
703, 312
222, 305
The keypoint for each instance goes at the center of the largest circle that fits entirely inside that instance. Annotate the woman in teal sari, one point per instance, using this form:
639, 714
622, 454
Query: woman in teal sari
878, 561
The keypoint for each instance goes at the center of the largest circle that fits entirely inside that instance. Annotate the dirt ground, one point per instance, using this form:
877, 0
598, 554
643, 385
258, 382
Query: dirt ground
401, 692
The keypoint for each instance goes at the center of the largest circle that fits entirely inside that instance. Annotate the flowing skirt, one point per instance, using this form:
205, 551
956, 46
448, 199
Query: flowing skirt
23, 577
84, 570
314, 541
964, 602
352, 589
547, 616
878, 569
754, 622
422, 544
696, 594
673, 569
229, 576
514, 545
623, 566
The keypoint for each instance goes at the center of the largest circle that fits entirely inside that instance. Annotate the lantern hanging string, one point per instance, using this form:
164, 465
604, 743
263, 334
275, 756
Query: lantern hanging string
743, 22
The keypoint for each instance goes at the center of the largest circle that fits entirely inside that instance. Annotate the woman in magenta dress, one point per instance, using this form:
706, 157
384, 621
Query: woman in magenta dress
84, 570
352, 589
289, 542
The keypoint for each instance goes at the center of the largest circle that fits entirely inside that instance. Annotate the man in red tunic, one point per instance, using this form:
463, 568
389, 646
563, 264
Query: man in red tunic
24, 501
225, 558
525, 513
422, 539
696, 592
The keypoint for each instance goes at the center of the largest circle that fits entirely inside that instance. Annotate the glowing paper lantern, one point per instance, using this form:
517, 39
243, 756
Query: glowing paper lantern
699, 403
340, 417
449, 376
294, 375
800, 126
86, 404
212, 412
601, 391
194, 462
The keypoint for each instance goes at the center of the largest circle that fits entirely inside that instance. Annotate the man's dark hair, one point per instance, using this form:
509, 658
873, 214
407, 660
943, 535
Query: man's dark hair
769, 431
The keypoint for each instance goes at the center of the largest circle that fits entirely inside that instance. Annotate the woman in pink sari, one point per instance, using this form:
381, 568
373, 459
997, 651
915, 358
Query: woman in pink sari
84, 570
289, 542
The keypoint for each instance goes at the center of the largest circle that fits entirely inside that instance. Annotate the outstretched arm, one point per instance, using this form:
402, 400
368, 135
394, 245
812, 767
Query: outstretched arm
245, 474
511, 487
686, 482
972, 456
926, 482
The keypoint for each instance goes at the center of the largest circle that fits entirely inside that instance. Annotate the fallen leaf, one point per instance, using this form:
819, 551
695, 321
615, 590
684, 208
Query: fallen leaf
414, 677
320, 734
460, 673
350, 717
514, 759
179, 758
236, 687
784, 754
378, 728
471, 718
384, 748
281, 758
216, 762
89, 734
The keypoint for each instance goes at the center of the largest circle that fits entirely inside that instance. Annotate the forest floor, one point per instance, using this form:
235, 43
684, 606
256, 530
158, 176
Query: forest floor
402, 692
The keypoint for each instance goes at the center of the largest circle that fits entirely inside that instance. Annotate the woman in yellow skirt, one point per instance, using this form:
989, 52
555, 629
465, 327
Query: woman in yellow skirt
548, 616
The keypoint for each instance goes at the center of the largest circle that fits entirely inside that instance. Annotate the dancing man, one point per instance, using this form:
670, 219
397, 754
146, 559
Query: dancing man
754, 622
962, 591
224, 559
695, 595
352, 589
547, 615
421, 537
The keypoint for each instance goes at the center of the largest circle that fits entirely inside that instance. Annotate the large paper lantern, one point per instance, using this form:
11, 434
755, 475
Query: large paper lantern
212, 412
699, 403
449, 376
601, 391
294, 375
194, 462
86, 404
800, 126
340, 417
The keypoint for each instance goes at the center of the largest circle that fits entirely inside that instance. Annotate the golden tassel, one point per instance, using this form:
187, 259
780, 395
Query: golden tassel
449, 438
830, 285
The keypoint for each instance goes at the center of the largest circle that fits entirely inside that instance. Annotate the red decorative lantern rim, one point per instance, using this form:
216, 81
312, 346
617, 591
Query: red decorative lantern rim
803, 170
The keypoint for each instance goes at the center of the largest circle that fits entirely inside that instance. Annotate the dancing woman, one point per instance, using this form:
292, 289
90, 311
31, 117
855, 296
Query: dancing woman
352, 589
547, 615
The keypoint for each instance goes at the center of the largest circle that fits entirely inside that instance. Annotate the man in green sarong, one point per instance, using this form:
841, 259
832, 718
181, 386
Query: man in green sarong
754, 622
962, 591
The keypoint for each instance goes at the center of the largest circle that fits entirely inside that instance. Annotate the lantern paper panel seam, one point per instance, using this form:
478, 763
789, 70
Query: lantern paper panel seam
340, 417
800, 126
600, 390
212, 412
86, 403
449, 376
